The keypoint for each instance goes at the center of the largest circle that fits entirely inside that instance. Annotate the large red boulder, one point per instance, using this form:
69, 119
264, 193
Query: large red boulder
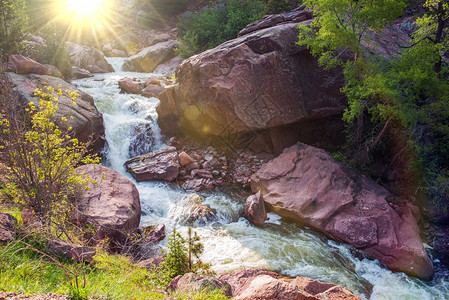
307, 185
112, 205
87, 121
252, 84
261, 284
25, 65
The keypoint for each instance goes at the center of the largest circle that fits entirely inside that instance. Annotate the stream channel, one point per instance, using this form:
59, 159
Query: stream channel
232, 243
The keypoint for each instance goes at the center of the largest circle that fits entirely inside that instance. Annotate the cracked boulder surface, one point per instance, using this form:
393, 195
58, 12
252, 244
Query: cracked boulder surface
305, 184
252, 84
112, 204
87, 121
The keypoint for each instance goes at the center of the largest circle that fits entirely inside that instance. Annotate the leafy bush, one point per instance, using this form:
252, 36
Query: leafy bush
42, 158
215, 24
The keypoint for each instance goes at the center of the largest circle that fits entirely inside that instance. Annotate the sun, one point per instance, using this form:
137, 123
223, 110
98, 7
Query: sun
84, 7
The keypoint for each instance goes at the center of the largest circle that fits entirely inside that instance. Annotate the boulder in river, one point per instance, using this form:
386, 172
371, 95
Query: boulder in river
307, 185
112, 205
190, 210
251, 85
128, 85
88, 58
255, 210
87, 121
160, 165
149, 58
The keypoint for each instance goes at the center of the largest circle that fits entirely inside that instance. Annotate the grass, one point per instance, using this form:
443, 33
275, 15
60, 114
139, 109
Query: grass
108, 277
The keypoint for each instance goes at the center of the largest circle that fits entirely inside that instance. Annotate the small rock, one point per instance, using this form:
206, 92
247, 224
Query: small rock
152, 80
255, 210
128, 85
202, 174
7, 227
193, 166
185, 159
71, 251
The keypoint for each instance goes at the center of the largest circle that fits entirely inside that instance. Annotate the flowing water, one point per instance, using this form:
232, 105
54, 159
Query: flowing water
232, 243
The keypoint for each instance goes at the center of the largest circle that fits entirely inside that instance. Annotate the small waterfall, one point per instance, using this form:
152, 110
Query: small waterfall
230, 241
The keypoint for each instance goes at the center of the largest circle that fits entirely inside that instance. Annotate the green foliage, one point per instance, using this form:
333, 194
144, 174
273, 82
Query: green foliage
339, 26
13, 22
337, 35
24, 270
168, 7
433, 28
42, 160
215, 24
176, 260
183, 255
278, 6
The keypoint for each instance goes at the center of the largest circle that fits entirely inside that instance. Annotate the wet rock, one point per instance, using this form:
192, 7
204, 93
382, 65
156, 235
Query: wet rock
128, 85
307, 185
211, 163
160, 165
112, 205
7, 228
192, 166
149, 58
194, 283
441, 245
142, 140
87, 121
152, 80
88, 58
24, 65
78, 73
191, 211
152, 90
201, 173
185, 159
261, 284
71, 251
255, 210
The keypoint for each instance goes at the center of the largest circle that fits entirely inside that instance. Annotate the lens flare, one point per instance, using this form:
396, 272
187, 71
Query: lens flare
84, 7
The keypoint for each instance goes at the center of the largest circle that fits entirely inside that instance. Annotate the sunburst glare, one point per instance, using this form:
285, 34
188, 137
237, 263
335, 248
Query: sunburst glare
85, 7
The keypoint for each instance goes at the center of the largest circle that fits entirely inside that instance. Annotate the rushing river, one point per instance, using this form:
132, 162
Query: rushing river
232, 243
